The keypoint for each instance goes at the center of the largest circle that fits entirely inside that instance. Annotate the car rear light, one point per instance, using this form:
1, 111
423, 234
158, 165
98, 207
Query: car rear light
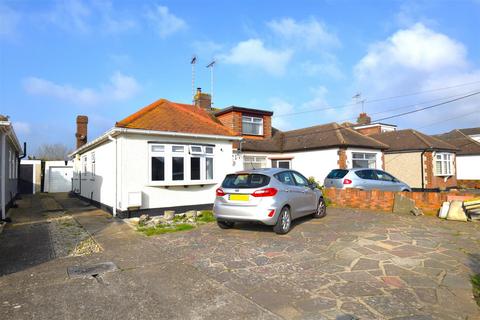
347, 181
271, 213
267, 192
220, 192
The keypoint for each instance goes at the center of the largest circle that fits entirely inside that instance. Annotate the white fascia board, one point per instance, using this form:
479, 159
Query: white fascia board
8, 128
116, 131
374, 125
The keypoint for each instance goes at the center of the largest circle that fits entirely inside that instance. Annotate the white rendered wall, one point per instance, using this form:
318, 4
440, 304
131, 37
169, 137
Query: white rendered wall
315, 163
468, 167
102, 183
135, 173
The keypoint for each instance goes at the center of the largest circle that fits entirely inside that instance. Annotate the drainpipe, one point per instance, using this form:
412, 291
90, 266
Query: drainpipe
2, 174
423, 173
114, 207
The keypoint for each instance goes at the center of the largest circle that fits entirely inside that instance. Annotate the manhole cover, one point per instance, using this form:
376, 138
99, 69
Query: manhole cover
91, 270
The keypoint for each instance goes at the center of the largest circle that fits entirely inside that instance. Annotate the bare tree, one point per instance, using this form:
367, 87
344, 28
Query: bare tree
55, 151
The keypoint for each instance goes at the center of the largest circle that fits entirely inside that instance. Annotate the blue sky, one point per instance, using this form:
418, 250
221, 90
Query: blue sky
302, 59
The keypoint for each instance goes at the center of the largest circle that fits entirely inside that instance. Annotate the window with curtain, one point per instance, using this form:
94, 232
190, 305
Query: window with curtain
443, 164
252, 125
364, 160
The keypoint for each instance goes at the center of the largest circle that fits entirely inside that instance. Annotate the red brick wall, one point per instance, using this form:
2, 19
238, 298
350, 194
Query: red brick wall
472, 184
233, 120
429, 202
434, 182
369, 131
342, 159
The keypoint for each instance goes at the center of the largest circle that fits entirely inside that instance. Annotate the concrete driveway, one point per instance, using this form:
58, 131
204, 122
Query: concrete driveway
348, 265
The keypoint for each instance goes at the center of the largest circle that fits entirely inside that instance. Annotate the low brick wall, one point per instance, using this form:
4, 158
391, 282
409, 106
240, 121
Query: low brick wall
429, 202
470, 184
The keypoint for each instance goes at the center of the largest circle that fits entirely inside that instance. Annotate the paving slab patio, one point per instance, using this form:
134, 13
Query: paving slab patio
349, 265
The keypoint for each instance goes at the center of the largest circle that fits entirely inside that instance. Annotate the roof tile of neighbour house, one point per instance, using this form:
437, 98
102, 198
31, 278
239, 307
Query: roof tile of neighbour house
470, 131
467, 145
329, 135
164, 115
411, 140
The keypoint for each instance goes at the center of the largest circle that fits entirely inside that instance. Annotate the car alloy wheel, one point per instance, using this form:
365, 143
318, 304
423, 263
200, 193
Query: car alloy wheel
284, 222
321, 209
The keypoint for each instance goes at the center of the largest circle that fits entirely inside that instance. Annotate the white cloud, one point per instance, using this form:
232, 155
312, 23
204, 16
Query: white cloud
22, 128
207, 48
164, 22
9, 20
120, 87
418, 59
310, 33
417, 48
253, 53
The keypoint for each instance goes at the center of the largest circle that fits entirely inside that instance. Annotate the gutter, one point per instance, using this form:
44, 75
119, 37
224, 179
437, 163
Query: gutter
422, 169
3, 142
116, 131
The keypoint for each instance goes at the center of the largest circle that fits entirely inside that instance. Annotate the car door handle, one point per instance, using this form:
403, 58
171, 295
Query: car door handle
286, 190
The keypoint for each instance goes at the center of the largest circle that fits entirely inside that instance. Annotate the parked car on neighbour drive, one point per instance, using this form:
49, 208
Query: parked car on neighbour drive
364, 179
272, 196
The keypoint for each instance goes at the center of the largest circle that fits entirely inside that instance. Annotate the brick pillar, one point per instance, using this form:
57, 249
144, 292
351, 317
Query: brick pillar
383, 160
428, 169
342, 158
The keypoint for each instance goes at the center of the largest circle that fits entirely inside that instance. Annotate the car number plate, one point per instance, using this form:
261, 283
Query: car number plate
239, 197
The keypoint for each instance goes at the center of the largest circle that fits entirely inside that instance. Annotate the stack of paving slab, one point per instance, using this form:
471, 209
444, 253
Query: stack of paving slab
472, 207
459, 210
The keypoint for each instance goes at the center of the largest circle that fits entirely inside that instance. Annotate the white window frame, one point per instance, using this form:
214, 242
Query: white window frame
189, 152
256, 162
252, 121
277, 162
443, 164
92, 165
84, 165
364, 158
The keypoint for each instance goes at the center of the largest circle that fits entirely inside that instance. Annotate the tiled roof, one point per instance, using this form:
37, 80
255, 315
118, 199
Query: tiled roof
470, 131
467, 145
411, 140
164, 115
329, 135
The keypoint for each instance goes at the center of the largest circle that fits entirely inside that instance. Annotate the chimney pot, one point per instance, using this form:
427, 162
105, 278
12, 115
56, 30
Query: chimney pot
363, 118
82, 130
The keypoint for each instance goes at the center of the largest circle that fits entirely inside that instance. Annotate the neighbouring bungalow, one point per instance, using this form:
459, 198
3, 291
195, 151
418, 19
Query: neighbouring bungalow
313, 151
468, 155
10, 150
166, 155
419, 160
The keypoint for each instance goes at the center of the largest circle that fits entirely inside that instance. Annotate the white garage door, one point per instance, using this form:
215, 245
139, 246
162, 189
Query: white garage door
60, 179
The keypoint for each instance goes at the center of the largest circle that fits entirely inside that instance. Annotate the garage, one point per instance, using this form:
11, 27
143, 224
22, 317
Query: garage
60, 179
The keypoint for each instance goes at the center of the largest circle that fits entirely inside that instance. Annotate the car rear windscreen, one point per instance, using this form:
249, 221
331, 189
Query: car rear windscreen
245, 181
337, 174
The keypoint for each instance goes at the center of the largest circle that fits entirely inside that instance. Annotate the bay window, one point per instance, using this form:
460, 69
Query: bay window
180, 164
443, 164
252, 125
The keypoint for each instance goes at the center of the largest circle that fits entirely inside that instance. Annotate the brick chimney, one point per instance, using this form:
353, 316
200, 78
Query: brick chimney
363, 118
203, 100
81, 135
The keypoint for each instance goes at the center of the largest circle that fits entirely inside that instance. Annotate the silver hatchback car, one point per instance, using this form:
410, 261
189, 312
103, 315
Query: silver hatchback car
271, 196
365, 179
